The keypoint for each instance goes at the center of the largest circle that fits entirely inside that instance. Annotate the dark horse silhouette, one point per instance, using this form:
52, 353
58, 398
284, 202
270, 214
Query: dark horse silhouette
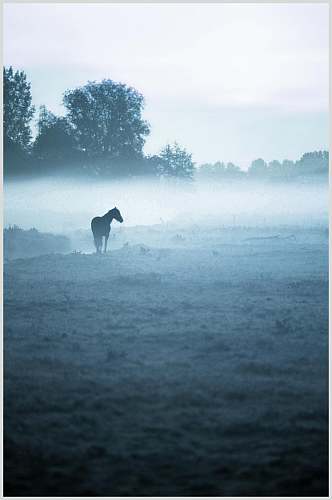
101, 226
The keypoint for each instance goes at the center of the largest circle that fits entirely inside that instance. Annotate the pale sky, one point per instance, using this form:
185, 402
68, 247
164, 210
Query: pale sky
230, 82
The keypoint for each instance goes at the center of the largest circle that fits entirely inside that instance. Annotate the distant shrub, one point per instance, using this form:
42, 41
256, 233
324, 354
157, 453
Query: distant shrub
20, 243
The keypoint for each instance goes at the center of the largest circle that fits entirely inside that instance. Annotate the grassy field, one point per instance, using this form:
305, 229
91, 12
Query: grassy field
183, 362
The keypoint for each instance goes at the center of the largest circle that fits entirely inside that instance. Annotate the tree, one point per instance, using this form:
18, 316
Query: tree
233, 170
258, 168
211, 170
107, 120
220, 171
275, 170
288, 165
18, 110
55, 141
174, 161
314, 163
46, 119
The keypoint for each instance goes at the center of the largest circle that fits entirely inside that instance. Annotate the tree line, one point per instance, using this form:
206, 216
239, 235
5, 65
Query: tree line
313, 164
103, 134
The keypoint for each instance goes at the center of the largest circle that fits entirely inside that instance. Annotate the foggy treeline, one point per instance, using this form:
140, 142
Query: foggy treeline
102, 135
310, 164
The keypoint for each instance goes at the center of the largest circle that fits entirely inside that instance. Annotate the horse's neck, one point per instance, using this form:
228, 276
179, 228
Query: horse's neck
108, 217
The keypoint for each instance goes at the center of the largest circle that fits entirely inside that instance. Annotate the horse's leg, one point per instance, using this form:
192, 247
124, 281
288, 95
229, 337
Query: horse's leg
106, 239
98, 244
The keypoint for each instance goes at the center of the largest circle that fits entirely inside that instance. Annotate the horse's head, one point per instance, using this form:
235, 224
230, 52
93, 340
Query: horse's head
116, 214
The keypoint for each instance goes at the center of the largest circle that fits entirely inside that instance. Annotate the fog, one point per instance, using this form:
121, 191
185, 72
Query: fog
65, 205
186, 360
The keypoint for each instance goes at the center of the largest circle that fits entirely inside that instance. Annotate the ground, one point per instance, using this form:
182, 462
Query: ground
182, 363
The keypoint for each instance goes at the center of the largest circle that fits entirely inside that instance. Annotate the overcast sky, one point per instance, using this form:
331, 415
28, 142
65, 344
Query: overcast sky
229, 82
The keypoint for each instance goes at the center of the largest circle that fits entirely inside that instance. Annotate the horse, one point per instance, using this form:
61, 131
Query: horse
101, 226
